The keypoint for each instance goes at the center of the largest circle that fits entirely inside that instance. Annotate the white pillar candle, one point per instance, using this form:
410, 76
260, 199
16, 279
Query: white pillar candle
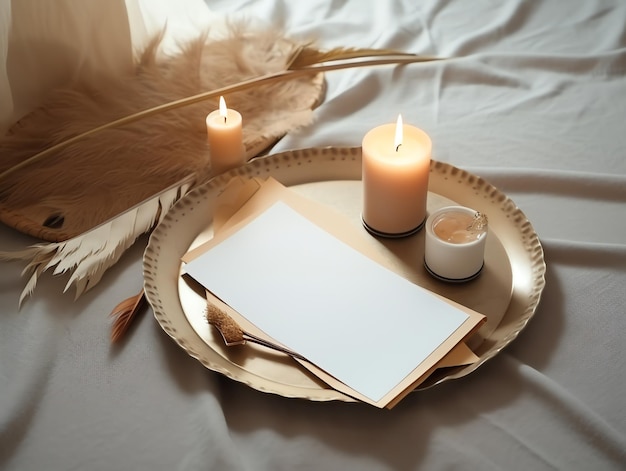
396, 165
224, 132
455, 243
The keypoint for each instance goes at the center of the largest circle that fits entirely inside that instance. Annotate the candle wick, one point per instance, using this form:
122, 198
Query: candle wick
224, 119
398, 146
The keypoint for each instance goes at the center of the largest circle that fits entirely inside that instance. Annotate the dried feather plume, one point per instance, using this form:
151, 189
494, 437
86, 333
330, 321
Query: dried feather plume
124, 313
76, 165
89, 255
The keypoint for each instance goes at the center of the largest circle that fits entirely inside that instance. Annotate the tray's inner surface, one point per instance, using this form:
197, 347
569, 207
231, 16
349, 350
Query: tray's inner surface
507, 291
489, 294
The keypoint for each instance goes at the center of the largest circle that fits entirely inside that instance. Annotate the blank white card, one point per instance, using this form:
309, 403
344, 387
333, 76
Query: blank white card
360, 322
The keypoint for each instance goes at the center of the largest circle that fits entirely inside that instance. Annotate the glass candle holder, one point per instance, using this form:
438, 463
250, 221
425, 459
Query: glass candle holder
455, 243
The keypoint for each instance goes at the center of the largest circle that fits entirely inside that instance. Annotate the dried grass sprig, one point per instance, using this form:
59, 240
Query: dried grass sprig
124, 313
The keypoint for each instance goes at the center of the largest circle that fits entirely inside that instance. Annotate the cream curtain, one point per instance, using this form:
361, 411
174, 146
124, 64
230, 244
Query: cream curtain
45, 44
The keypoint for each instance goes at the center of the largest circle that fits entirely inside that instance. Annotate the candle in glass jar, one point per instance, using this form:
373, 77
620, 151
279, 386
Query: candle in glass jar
396, 165
455, 226
225, 135
455, 243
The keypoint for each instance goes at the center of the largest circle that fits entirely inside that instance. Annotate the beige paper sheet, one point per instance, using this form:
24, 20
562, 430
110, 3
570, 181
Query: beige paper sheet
253, 196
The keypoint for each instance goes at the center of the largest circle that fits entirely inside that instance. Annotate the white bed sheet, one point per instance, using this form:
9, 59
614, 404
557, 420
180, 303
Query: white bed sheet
533, 99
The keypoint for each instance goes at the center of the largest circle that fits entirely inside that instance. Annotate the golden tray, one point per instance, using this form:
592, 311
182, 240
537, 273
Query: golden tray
507, 291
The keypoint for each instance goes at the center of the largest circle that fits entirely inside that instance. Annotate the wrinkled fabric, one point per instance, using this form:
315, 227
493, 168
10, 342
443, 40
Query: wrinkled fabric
533, 99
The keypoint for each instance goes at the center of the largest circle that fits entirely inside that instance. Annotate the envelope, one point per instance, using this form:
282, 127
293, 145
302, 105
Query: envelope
244, 199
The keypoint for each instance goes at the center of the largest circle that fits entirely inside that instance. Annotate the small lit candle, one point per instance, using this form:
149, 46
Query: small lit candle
396, 165
455, 243
224, 132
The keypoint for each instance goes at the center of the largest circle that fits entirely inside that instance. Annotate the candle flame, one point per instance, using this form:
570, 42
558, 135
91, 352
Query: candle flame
398, 140
223, 109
